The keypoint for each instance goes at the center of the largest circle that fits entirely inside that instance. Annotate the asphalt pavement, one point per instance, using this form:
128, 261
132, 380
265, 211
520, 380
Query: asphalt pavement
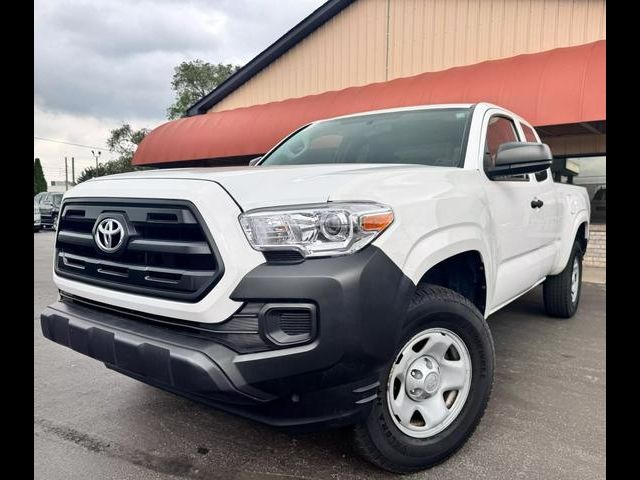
545, 419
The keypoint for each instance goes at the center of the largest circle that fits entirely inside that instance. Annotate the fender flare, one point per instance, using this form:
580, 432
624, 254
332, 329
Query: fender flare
567, 240
444, 243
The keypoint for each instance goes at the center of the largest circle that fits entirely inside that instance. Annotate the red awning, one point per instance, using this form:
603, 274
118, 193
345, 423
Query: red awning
565, 85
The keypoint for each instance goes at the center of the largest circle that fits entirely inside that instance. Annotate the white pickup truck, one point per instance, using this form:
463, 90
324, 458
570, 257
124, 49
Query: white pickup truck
344, 278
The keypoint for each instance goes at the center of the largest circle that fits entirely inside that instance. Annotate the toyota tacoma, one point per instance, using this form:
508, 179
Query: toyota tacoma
344, 278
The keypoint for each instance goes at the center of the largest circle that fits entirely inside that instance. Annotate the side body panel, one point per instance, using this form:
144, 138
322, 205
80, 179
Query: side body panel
519, 244
574, 210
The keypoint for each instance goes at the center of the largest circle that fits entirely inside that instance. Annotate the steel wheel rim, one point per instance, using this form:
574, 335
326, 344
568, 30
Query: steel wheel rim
429, 383
575, 280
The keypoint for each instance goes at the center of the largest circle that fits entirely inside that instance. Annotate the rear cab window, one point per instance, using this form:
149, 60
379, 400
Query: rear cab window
530, 136
529, 133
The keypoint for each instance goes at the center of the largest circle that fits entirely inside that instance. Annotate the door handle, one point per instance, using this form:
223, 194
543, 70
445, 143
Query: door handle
535, 203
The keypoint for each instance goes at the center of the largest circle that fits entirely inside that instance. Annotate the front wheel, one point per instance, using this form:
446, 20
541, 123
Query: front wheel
435, 390
562, 292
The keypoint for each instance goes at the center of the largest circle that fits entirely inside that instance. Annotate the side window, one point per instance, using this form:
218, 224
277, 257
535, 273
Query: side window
529, 134
500, 130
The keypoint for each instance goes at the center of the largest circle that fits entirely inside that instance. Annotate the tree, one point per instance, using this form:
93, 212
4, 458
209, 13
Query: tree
195, 79
39, 182
123, 141
112, 167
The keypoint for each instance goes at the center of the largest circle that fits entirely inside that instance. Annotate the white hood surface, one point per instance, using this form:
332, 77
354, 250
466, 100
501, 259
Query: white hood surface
257, 187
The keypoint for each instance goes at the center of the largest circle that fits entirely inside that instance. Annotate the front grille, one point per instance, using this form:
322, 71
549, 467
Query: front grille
169, 252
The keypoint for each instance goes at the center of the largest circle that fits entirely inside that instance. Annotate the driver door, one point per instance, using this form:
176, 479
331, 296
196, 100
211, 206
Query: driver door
513, 219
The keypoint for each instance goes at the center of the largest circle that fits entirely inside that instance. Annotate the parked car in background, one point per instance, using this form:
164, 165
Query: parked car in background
37, 222
50, 208
38, 196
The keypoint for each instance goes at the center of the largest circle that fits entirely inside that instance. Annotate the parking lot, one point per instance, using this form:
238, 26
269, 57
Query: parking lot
546, 416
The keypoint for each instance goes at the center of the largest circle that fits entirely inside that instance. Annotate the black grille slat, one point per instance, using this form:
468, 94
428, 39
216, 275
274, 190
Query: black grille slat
295, 323
141, 244
169, 252
135, 213
168, 246
75, 238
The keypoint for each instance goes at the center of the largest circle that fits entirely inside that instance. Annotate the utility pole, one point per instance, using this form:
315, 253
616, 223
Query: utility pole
66, 174
73, 171
96, 156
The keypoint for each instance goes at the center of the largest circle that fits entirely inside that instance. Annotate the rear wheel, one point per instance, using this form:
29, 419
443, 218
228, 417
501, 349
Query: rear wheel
562, 292
436, 388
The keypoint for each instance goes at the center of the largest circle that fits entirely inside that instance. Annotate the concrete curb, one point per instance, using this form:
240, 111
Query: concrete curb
594, 275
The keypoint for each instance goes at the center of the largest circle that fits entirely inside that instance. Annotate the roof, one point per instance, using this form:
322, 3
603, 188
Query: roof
560, 86
302, 30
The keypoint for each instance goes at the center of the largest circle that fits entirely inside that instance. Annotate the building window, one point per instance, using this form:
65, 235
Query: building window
592, 174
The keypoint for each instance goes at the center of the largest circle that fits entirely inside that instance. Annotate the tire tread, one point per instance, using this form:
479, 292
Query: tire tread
362, 440
557, 290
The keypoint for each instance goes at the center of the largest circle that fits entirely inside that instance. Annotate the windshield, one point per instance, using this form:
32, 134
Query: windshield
56, 198
425, 137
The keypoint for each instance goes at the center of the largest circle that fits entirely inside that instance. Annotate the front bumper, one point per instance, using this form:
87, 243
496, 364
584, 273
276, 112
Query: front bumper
361, 300
48, 219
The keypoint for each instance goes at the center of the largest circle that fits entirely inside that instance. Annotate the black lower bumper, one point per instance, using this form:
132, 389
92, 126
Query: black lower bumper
48, 219
330, 381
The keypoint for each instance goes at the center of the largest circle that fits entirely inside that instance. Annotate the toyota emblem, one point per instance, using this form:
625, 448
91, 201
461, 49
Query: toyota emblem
109, 235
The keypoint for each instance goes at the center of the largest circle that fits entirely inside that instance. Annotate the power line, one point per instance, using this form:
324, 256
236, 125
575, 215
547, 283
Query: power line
68, 143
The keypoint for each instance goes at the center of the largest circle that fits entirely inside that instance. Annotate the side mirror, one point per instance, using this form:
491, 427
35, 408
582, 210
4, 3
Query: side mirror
517, 158
253, 162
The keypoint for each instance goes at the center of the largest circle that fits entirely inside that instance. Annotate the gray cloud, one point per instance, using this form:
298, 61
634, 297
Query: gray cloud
113, 59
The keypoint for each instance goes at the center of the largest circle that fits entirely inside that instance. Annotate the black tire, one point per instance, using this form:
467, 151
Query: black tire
36, 229
556, 289
378, 439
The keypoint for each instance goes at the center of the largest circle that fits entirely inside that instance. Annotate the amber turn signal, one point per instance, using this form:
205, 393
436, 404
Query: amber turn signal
376, 222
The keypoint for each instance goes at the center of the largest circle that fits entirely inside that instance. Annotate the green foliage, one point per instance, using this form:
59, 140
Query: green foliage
124, 141
193, 80
121, 165
39, 182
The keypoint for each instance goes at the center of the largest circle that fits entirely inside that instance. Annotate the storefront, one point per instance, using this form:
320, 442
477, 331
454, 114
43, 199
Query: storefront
543, 59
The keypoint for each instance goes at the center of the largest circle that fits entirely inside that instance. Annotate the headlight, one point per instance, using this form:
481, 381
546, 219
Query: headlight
316, 230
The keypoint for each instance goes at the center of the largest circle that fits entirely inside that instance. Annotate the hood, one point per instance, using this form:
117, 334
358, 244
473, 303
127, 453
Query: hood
256, 187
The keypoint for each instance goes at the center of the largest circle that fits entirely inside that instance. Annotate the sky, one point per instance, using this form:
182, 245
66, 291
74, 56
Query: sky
101, 63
